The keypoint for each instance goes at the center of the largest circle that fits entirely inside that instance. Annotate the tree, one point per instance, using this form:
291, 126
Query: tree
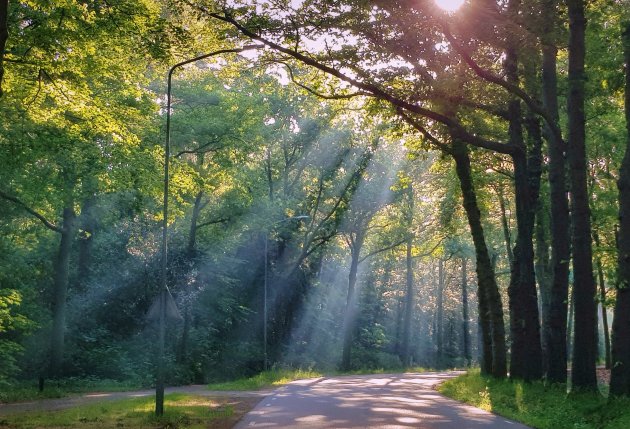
69, 91
620, 374
584, 351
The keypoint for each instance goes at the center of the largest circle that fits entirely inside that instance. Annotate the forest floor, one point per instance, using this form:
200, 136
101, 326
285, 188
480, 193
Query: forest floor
186, 406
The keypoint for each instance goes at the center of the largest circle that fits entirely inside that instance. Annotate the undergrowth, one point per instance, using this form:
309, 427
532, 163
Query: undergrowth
539, 405
29, 390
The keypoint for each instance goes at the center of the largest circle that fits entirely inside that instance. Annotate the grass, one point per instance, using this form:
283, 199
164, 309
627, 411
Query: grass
279, 377
181, 411
28, 391
538, 405
266, 379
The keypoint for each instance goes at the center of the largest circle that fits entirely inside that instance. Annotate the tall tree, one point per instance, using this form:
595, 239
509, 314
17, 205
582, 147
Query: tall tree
409, 280
585, 346
465, 316
620, 374
490, 308
555, 328
4, 36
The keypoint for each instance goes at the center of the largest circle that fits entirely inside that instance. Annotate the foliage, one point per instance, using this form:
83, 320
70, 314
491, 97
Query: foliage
12, 326
266, 379
28, 390
537, 404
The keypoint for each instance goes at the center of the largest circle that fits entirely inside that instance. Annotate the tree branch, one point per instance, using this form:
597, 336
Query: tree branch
510, 87
415, 124
433, 249
318, 94
454, 126
212, 222
45, 221
383, 249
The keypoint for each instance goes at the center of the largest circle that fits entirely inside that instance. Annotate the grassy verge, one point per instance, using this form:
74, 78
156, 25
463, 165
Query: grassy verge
181, 411
28, 391
278, 377
265, 379
538, 405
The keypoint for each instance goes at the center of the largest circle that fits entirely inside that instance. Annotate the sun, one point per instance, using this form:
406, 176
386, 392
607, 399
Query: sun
449, 5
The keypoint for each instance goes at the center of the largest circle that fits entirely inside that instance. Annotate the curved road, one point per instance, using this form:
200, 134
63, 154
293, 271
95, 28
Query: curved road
369, 401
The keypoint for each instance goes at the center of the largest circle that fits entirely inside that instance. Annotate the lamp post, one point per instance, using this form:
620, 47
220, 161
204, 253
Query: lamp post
265, 283
159, 385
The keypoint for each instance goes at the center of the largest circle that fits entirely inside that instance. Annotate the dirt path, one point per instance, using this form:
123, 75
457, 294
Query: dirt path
90, 398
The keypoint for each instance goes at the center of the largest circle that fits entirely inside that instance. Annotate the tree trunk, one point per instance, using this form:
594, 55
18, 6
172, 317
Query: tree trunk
440, 316
620, 374
351, 302
4, 36
507, 236
569, 328
526, 356
191, 251
269, 173
60, 292
86, 242
555, 334
602, 300
409, 296
194, 219
489, 299
543, 270
584, 347
465, 322
400, 314
409, 299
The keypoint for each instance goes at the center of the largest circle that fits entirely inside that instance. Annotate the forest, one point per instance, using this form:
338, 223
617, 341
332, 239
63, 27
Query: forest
350, 185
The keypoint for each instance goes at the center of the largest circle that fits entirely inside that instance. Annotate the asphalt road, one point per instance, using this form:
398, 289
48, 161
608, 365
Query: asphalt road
369, 401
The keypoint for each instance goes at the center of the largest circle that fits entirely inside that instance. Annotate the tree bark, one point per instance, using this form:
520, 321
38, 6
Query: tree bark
60, 292
555, 334
489, 299
4, 36
191, 254
194, 220
465, 321
351, 301
86, 242
409, 299
409, 295
507, 236
602, 300
543, 276
269, 173
585, 347
526, 356
440, 316
620, 374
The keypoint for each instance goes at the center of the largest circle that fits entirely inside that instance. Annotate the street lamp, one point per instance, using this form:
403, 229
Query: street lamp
159, 385
265, 283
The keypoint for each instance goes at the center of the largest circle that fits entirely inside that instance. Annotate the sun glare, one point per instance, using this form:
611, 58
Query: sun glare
449, 5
